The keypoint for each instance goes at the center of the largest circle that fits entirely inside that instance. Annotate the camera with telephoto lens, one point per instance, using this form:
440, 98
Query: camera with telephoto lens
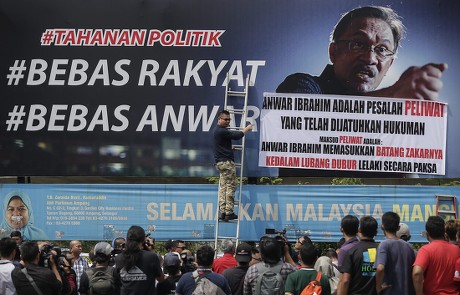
280, 235
187, 262
45, 254
187, 259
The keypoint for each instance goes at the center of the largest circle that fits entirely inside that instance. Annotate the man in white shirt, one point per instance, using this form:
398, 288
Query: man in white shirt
7, 252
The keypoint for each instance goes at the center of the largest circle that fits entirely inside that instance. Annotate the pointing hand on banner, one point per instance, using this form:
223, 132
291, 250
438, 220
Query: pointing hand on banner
417, 83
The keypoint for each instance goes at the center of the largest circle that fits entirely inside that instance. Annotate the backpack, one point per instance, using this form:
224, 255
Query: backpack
326, 267
334, 282
269, 281
205, 286
314, 287
101, 282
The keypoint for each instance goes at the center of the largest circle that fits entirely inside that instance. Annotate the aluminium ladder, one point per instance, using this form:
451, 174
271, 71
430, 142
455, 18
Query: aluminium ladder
448, 201
232, 94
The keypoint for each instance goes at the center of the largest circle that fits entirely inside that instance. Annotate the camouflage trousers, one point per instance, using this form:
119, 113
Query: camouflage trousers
227, 186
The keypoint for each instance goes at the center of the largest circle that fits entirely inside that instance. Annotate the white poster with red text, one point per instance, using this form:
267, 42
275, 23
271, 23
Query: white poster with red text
353, 133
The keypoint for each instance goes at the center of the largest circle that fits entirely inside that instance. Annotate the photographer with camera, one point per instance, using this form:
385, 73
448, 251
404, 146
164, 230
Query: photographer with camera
68, 275
188, 261
272, 272
35, 279
69, 282
288, 253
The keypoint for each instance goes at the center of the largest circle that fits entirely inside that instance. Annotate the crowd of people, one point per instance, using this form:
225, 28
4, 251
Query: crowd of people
131, 265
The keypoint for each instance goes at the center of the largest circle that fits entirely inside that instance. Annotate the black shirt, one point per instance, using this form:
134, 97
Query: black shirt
359, 263
43, 277
235, 278
140, 279
223, 143
168, 286
326, 83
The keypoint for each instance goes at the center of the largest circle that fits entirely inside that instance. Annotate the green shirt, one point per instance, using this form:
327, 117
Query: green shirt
299, 279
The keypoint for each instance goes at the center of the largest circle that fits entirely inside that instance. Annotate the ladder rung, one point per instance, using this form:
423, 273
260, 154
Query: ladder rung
236, 93
230, 221
447, 212
237, 111
228, 238
446, 198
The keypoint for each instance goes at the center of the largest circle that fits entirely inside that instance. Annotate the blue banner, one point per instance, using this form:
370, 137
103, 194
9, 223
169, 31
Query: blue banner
188, 212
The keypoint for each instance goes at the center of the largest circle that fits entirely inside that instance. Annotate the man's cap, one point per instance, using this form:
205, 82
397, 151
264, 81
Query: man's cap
243, 253
403, 230
171, 259
103, 248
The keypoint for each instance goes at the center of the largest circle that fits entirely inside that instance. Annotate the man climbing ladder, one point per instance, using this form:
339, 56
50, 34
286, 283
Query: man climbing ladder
225, 164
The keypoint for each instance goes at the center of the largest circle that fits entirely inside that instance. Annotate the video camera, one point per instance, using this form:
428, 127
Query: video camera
187, 262
272, 231
280, 235
45, 254
187, 259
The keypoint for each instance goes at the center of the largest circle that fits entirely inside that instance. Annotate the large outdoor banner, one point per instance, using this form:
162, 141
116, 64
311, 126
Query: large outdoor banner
188, 212
133, 88
349, 133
